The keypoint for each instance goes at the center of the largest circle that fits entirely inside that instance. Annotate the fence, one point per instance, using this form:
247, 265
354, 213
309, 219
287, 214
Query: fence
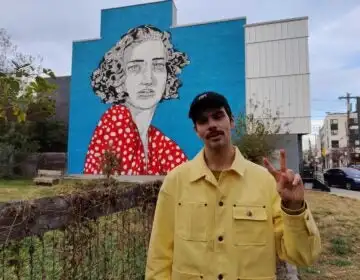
76, 237
99, 232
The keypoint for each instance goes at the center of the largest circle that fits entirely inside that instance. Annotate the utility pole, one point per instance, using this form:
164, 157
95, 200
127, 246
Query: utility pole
348, 109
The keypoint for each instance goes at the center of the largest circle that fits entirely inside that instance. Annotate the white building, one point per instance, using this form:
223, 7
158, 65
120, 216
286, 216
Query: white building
277, 75
333, 140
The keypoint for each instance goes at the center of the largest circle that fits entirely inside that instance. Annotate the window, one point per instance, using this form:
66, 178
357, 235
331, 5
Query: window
354, 120
357, 142
335, 144
334, 124
334, 132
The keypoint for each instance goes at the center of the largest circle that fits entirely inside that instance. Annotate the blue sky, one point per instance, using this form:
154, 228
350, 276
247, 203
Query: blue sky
47, 28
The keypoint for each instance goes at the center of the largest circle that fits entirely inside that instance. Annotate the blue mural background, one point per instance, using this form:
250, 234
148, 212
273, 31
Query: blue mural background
217, 62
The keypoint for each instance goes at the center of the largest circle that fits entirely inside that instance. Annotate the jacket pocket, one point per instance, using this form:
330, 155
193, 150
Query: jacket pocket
177, 275
192, 220
250, 225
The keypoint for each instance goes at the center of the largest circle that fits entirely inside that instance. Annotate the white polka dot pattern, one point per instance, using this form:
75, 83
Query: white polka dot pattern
117, 131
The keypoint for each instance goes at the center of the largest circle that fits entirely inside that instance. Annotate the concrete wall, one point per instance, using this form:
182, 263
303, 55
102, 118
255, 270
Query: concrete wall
291, 143
50, 161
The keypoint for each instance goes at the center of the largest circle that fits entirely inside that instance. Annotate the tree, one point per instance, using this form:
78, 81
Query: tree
110, 163
310, 154
255, 136
256, 132
25, 96
338, 156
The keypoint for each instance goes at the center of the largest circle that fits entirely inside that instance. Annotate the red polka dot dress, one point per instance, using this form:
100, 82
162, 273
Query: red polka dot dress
117, 130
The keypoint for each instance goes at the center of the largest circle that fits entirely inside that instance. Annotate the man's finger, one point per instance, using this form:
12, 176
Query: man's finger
290, 175
269, 166
297, 180
282, 161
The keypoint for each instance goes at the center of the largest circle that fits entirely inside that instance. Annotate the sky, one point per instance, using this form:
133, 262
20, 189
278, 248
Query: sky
48, 28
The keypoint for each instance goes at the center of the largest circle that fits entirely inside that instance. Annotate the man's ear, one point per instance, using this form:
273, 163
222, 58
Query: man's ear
195, 129
232, 122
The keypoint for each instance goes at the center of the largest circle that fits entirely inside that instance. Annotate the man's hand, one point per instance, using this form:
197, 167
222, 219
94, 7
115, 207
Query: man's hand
289, 185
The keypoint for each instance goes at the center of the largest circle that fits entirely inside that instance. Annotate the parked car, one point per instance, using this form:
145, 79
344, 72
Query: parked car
308, 172
344, 177
356, 166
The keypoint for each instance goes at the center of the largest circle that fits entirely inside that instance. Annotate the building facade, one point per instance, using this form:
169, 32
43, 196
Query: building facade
338, 147
277, 76
132, 87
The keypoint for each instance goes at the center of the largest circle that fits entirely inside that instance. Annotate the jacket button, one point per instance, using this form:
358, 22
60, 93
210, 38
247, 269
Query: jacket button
220, 238
249, 213
220, 276
221, 203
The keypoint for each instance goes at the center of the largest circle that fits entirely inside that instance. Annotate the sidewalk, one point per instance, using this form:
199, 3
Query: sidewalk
338, 192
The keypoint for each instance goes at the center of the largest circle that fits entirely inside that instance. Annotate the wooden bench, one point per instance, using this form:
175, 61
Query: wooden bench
48, 177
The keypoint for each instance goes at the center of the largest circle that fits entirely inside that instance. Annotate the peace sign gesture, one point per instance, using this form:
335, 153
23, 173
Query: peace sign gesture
289, 185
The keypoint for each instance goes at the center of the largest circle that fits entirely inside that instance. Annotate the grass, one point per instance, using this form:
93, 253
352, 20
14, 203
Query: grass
339, 225
24, 189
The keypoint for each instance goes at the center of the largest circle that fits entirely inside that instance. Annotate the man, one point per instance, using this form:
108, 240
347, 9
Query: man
220, 216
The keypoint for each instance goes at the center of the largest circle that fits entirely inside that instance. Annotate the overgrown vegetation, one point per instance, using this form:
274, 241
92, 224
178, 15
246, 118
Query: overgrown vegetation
94, 244
113, 247
110, 162
255, 132
26, 105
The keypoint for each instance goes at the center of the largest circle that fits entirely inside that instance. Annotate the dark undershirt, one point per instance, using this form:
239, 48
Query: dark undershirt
216, 174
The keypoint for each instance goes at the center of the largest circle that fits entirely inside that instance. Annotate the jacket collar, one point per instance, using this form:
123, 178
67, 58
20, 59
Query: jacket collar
200, 169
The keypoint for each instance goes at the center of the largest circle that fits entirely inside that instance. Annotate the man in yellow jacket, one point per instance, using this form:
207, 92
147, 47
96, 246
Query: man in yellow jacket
220, 216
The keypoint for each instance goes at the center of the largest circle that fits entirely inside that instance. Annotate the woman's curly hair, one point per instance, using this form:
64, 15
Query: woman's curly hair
108, 80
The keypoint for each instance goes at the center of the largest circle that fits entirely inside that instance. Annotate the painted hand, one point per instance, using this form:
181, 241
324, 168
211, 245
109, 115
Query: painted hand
289, 185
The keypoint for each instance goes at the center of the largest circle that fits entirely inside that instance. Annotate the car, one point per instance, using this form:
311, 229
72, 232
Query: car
308, 172
344, 177
356, 166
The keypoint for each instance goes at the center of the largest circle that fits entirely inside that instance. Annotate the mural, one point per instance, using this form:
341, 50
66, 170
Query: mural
140, 71
131, 88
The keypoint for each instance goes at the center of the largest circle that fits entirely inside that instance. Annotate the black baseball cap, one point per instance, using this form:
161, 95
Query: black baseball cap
207, 101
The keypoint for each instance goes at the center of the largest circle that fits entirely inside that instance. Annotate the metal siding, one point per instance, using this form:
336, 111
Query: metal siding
277, 71
275, 58
277, 31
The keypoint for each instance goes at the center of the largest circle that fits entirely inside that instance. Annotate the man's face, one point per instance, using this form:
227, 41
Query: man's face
214, 128
145, 74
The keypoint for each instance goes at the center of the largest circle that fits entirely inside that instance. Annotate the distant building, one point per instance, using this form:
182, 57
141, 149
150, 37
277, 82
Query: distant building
62, 94
333, 140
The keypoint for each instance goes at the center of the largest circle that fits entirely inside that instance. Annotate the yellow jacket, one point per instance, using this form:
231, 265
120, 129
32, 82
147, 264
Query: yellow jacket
228, 229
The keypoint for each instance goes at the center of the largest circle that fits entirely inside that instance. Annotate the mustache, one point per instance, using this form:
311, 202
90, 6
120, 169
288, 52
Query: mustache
214, 133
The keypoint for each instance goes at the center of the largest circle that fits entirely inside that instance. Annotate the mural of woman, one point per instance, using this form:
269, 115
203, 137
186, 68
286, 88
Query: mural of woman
140, 71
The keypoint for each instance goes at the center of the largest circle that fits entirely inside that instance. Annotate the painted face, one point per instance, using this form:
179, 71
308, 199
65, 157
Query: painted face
145, 74
214, 128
